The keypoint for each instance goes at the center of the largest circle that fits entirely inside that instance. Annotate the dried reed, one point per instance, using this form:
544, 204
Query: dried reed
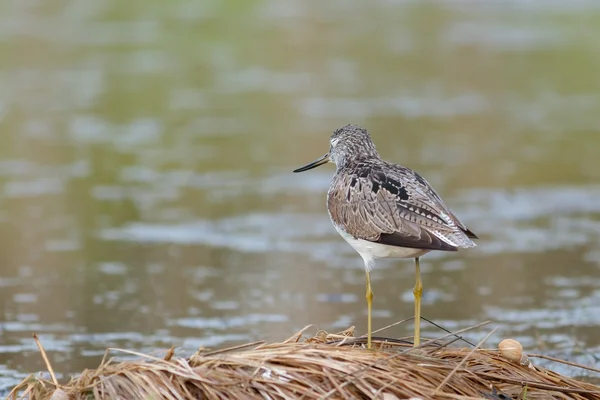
324, 366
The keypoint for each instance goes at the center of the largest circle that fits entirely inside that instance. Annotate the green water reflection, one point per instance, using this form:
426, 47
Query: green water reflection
146, 151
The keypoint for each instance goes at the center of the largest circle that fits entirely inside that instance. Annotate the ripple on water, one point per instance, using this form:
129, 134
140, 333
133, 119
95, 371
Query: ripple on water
221, 323
519, 221
252, 233
580, 312
510, 220
9, 379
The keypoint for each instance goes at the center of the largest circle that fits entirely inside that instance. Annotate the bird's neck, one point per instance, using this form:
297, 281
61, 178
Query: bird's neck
352, 162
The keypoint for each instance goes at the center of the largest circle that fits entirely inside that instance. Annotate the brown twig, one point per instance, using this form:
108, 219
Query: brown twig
538, 385
558, 360
296, 336
460, 364
233, 348
169, 354
389, 326
46, 360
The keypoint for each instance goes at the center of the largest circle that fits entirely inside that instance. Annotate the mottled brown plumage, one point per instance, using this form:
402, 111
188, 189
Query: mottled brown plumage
386, 210
389, 204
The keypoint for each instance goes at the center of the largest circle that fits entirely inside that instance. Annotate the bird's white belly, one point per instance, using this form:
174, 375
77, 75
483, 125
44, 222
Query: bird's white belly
378, 250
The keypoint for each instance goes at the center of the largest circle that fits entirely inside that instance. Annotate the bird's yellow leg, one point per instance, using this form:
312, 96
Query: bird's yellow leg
418, 292
369, 297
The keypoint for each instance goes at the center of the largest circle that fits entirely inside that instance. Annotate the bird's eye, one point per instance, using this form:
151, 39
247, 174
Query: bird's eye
334, 142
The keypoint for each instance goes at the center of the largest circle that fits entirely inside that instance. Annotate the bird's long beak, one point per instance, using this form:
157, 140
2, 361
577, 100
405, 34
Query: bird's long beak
314, 164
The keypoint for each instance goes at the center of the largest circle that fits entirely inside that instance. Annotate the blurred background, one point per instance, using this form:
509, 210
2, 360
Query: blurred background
146, 150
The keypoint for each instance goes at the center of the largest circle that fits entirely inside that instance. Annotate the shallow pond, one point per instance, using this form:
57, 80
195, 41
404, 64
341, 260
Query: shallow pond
146, 152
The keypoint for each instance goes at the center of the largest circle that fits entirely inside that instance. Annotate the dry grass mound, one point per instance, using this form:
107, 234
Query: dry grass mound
321, 367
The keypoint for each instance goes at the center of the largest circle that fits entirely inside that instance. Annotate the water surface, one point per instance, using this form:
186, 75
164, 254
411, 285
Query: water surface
146, 152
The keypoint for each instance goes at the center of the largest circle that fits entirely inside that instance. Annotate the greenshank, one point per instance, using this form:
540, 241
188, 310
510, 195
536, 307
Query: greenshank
385, 210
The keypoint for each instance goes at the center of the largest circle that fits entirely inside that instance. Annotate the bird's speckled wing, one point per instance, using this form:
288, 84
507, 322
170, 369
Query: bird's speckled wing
393, 205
